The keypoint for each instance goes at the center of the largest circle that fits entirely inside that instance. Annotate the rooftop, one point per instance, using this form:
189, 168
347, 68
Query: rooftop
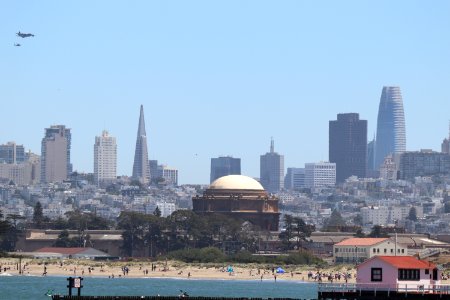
407, 262
361, 241
236, 182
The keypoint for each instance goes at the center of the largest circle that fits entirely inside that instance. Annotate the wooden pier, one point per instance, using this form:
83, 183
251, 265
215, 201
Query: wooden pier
376, 291
62, 297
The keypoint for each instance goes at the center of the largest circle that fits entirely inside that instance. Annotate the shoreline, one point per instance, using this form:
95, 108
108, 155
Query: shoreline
165, 270
170, 278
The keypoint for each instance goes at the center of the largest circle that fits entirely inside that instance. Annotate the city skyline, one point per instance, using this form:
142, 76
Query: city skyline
212, 87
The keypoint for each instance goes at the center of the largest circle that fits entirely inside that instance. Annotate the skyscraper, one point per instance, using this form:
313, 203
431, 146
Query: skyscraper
272, 170
294, 179
11, 153
391, 135
223, 166
320, 174
348, 146
105, 158
55, 154
445, 146
371, 171
141, 167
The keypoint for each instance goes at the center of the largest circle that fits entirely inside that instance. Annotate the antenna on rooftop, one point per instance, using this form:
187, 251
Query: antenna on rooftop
271, 145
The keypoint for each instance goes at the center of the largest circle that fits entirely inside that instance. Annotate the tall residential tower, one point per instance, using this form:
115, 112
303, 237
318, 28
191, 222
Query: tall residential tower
105, 158
141, 167
391, 135
55, 154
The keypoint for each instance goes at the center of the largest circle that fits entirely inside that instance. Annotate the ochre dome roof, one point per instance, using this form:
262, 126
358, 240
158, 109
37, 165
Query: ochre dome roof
236, 182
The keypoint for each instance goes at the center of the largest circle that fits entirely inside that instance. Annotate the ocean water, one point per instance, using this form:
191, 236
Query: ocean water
35, 287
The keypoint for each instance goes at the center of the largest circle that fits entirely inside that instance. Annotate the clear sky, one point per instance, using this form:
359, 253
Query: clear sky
219, 77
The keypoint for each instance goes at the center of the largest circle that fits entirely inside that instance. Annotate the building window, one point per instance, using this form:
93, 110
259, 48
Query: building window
408, 274
374, 250
403, 250
376, 274
392, 250
427, 272
385, 250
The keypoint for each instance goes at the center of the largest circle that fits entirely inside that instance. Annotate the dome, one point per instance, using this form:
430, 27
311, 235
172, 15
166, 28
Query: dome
236, 182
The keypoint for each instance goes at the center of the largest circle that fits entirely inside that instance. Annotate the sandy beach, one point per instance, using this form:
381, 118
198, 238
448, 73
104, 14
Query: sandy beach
171, 269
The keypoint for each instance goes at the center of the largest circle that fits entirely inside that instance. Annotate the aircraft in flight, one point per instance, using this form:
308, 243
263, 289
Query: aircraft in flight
24, 35
17, 45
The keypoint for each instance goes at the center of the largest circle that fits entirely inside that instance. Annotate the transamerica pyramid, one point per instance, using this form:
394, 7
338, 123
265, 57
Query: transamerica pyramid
141, 167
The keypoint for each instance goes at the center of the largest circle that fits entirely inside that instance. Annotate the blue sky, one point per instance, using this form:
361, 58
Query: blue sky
219, 77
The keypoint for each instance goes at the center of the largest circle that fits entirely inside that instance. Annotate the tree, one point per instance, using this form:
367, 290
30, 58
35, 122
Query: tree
38, 215
287, 234
359, 233
63, 240
157, 212
334, 221
412, 214
358, 220
377, 232
134, 226
5, 229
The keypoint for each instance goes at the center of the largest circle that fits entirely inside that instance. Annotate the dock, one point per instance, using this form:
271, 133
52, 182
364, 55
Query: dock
330, 291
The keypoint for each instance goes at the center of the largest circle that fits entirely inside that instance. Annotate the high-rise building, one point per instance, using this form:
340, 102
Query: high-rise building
294, 179
272, 170
348, 146
322, 174
55, 154
153, 164
388, 170
445, 146
223, 166
141, 167
170, 175
371, 171
11, 153
391, 134
105, 159
423, 163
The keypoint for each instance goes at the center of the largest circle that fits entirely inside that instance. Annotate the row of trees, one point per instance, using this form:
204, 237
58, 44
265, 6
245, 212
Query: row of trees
151, 235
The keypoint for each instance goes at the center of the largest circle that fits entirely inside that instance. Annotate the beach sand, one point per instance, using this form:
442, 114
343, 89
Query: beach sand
171, 269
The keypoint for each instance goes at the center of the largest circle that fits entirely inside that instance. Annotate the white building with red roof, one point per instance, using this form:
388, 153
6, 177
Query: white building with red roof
399, 273
356, 250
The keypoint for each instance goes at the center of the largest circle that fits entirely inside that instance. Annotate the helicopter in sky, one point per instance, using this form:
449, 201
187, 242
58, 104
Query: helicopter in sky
24, 35
17, 45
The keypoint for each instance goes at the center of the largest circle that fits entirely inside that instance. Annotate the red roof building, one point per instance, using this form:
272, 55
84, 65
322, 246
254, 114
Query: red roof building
356, 250
398, 272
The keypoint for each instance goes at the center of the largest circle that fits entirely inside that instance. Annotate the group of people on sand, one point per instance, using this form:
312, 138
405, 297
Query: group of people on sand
337, 276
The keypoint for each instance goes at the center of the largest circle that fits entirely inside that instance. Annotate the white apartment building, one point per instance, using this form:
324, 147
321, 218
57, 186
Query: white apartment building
320, 174
166, 208
170, 175
357, 250
105, 158
384, 215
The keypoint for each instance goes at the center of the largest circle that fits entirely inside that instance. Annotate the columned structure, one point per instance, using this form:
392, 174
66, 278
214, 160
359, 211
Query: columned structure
239, 197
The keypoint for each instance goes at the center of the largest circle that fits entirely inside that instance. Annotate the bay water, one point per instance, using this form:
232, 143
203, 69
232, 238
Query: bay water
35, 287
